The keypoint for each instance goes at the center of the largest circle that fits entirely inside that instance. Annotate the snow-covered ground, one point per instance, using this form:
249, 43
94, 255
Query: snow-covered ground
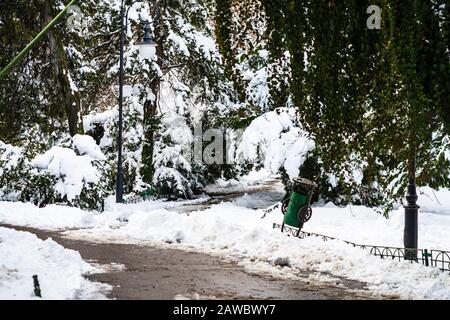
250, 182
235, 230
364, 225
60, 271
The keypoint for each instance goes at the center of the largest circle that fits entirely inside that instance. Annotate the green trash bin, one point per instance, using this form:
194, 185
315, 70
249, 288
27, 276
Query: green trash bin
299, 210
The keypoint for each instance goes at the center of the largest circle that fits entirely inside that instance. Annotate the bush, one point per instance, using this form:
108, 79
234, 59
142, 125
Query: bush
61, 175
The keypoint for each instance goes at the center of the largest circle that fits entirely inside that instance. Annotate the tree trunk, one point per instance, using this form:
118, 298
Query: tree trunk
70, 98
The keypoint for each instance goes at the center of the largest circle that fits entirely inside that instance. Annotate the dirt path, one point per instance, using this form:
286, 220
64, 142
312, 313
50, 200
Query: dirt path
160, 274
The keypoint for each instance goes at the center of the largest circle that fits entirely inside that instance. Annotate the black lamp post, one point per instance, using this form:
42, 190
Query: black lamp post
147, 49
410, 238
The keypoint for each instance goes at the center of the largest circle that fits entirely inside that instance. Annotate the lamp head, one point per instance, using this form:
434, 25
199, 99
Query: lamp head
147, 48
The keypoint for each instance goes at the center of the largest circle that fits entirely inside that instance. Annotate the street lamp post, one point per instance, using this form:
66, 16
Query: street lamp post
411, 232
411, 221
147, 50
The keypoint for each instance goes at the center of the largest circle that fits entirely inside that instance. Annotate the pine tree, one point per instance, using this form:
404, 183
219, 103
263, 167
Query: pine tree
186, 75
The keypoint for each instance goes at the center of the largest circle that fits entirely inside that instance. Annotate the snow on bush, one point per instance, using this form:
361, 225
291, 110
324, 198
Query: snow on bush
85, 145
60, 271
10, 156
71, 173
276, 140
174, 173
257, 90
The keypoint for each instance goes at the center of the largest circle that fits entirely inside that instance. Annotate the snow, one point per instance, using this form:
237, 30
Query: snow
253, 180
9, 156
276, 140
73, 86
206, 45
52, 217
434, 201
179, 42
60, 271
57, 217
236, 230
70, 170
258, 87
230, 230
97, 118
86, 146
362, 225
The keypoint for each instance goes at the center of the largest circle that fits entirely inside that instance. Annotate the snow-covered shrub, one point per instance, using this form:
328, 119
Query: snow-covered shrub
12, 169
255, 73
174, 174
277, 142
71, 174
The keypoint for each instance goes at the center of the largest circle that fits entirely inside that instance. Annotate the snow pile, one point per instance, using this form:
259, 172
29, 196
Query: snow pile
71, 170
434, 201
239, 232
276, 140
52, 217
86, 145
60, 271
58, 217
249, 182
364, 225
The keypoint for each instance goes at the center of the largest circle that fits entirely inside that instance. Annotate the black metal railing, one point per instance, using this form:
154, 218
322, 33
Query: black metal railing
430, 258
133, 199
440, 259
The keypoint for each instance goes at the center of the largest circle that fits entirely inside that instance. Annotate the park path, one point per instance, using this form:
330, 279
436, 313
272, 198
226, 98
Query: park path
150, 273
143, 272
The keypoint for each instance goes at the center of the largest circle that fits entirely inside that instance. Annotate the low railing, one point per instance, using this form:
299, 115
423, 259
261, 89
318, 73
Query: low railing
141, 197
440, 259
430, 258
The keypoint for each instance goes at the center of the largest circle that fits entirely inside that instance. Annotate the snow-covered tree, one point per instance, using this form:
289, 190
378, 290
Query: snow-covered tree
185, 78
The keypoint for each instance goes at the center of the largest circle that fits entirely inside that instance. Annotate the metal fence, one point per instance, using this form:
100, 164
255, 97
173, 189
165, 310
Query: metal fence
430, 258
134, 199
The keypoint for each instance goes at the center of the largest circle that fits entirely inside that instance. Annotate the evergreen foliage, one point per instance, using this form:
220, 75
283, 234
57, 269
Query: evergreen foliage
372, 98
375, 102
